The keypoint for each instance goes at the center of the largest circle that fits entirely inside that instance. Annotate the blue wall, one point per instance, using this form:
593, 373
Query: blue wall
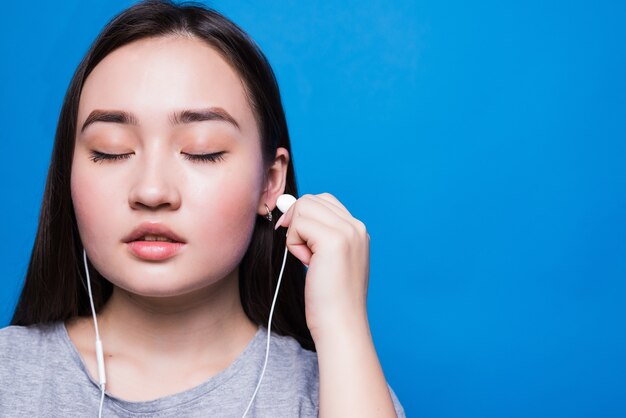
482, 143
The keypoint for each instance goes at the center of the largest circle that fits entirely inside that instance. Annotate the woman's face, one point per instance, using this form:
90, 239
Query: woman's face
134, 103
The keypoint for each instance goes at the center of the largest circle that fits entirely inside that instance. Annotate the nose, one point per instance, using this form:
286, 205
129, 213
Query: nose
154, 185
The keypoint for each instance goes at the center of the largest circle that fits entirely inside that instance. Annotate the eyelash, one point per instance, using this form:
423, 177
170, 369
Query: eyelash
99, 157
213, 158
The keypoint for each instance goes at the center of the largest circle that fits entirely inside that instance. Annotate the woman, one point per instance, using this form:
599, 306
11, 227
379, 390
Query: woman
160, 203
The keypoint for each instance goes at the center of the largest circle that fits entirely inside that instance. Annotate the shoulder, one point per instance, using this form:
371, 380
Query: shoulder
291, 380
299, 374
290, 346
18, 337
295, 360
25, 346
24, 355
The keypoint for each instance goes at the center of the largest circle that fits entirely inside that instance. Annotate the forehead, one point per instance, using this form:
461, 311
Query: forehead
153, 76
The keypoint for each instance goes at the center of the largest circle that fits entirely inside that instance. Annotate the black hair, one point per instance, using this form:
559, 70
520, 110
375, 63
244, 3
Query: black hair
54, 286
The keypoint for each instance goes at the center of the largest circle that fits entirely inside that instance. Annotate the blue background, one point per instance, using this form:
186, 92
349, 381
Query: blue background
482, 143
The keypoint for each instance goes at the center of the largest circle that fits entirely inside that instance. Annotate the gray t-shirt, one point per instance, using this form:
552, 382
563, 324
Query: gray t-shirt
42, 375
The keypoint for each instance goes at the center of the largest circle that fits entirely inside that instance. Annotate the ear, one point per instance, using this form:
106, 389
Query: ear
275, 183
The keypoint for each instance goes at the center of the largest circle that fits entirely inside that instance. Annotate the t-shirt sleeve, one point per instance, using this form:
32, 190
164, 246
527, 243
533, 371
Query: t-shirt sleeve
20, 370
396, 403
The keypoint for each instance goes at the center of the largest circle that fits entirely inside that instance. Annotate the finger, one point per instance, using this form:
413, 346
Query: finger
330, 198
286, 215
333, 202
339, 211
321, 206
313, 207
306, 235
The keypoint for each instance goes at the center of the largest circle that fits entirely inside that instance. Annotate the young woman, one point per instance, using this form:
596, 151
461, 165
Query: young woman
170, 155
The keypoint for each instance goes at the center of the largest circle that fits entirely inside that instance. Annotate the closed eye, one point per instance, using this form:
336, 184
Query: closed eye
214, 157
99, 157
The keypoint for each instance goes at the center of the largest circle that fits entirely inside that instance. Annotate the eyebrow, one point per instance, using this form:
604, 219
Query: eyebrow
176, 118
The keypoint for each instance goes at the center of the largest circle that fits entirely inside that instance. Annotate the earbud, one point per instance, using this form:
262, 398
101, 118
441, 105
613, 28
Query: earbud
284, 202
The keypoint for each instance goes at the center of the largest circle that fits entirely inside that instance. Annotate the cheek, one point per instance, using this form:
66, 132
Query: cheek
217, 217
92, 198
233, 201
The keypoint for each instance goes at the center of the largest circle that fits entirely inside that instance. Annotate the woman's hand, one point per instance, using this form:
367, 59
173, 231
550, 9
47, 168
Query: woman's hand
335, 246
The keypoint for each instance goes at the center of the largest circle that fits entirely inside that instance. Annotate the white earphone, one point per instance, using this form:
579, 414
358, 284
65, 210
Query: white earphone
283, 203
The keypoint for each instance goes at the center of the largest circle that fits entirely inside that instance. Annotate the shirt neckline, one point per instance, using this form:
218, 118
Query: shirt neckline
175, 400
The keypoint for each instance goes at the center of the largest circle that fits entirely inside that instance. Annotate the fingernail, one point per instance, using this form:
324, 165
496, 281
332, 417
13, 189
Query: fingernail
278, 222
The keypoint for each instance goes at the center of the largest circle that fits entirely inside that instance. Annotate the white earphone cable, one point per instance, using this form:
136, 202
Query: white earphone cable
100, 353
269, 330
99, 350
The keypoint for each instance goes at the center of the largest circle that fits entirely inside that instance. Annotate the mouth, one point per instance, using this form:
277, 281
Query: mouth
153, 241
154, 238
156, 250
153, 232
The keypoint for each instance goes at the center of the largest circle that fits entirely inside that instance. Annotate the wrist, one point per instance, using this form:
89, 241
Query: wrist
342, 330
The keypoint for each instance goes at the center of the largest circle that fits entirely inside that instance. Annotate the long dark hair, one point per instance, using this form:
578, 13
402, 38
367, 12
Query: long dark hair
54, 288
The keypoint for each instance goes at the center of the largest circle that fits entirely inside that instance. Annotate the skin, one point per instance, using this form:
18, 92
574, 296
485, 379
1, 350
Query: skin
172, 324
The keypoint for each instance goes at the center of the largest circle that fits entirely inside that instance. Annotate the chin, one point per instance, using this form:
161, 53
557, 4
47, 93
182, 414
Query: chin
156, 286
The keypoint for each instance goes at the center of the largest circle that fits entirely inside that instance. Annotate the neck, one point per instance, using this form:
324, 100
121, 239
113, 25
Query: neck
207, 323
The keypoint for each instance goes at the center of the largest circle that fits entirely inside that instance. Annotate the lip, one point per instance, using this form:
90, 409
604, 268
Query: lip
153, 228
155, 250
